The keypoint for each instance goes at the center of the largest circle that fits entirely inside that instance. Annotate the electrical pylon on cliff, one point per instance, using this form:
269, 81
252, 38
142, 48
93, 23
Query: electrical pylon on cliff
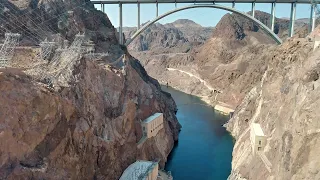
66, 55
61, 48
75, 48
7, 49
88, 47
46, 49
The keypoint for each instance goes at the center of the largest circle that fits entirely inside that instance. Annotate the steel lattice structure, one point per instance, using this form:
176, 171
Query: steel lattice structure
46, 49
73, 51
75, 47
7, 49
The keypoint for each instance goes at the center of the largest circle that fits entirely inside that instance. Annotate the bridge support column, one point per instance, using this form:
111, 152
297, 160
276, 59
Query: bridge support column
312, 22
103, 8
120, 24
292, 19
253, 8
138, 26
233, 4
157, 11
273, 15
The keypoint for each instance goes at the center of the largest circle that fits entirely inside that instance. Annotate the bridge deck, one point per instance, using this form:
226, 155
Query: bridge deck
201, 1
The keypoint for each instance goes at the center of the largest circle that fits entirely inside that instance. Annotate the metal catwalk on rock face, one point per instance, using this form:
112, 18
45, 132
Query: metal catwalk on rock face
261, 25
212, 4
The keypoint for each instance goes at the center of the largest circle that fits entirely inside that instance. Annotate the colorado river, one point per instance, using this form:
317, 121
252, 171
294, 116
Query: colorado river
204, 150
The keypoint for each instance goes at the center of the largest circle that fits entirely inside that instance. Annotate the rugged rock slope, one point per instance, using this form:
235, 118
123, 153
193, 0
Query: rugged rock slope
85, 124
88, 130
226, 62
285, 102
177, 37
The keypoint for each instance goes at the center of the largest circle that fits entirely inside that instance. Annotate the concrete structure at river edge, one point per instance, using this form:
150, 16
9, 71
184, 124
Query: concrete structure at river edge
257, 137
141, 170
152, 125
224, 110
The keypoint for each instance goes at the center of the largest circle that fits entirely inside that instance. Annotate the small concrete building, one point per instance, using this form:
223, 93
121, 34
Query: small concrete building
141, 170
257, 137
316, 42
152, 125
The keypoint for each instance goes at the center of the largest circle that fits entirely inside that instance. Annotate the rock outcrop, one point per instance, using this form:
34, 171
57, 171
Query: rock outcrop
179, 36
285, 103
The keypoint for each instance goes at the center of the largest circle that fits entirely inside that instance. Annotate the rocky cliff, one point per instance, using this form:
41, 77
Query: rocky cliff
78, 117
227, 62
285, 103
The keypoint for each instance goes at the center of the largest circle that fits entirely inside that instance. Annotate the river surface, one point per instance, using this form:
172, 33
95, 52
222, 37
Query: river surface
204, 150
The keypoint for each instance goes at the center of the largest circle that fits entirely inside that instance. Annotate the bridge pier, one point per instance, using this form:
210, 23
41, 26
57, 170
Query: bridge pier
292, 19
120, 24
157, 11
253, 8
233, 4
138, 26
312, 22
273, 14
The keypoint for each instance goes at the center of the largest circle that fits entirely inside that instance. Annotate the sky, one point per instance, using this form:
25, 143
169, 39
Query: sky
203, 16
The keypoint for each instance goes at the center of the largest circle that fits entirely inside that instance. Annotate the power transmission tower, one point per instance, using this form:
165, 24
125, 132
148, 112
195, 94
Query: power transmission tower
75, 48
7, 49
76, 44
46, 49
64, 61
88, 47
62, 46
66, 55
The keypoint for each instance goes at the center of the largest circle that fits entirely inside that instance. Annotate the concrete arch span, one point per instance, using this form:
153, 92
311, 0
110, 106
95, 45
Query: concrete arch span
260, 24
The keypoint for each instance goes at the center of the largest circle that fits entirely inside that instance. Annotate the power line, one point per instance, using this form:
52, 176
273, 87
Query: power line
32, 37
31, 34
34, 24
43, 22
17, 26
27, 15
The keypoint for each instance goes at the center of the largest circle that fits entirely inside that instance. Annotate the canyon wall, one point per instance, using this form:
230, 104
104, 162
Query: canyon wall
273, 85
78, 117
222, 69
285, 104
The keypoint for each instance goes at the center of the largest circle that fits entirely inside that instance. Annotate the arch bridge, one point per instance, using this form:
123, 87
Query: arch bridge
212, 4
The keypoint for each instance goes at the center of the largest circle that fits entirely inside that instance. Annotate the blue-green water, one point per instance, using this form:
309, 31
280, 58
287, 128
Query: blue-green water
204, 150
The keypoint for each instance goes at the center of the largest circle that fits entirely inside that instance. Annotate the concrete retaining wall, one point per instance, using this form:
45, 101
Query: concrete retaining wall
223, 110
